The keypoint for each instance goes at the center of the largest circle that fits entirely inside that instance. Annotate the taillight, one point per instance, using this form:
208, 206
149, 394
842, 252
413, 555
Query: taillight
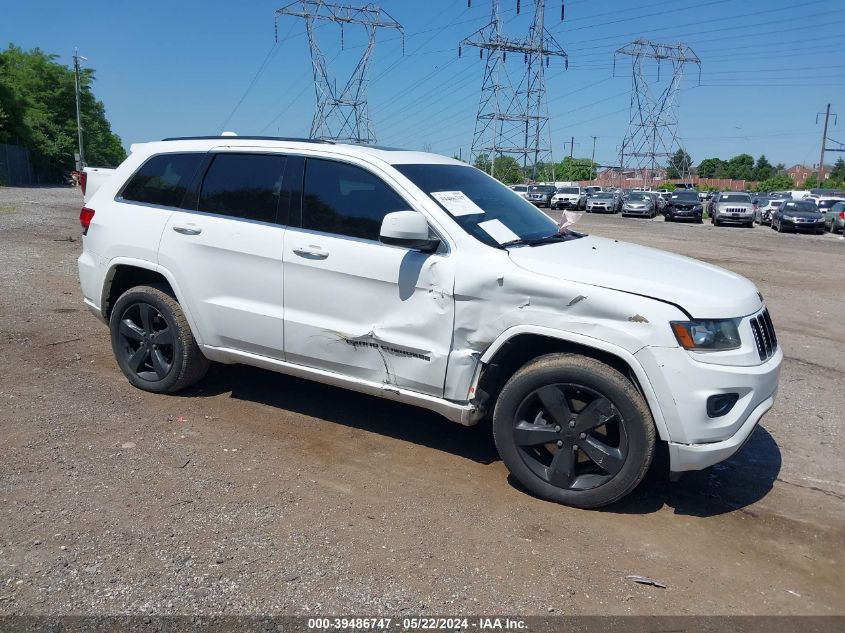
85, 217
842, 215
83, 181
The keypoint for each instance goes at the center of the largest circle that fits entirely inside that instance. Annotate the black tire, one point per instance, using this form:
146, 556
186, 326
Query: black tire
153, 343
593, 406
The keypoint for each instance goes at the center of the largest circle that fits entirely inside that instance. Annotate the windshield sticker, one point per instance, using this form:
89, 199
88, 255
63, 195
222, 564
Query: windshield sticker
498, 231
457, 203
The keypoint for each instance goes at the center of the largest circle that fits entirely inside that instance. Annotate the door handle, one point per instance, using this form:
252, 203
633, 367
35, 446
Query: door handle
311, 252
188, 229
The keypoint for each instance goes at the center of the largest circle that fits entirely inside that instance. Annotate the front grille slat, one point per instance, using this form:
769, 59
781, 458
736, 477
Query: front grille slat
764, 334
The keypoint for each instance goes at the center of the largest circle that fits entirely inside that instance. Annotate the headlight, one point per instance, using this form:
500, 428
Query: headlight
788, 217
718, 334
697, 207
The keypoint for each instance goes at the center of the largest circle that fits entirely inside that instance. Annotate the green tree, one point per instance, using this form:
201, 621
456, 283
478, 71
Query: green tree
740, 167
776, 183
39, 112
763, 169
668, 186
836, 174
576, 169
679, 164
709, 167
505, 168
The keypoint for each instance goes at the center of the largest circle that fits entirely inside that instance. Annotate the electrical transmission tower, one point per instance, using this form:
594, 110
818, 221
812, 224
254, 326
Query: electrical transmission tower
652, 135
513, 117
341, 114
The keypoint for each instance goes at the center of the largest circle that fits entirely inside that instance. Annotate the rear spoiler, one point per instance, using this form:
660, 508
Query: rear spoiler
92, 179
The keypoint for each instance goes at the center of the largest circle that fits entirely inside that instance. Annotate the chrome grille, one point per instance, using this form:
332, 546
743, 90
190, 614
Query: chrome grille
764, 334
735, 209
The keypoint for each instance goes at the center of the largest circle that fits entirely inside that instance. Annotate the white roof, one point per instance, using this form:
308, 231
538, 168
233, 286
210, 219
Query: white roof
386, 154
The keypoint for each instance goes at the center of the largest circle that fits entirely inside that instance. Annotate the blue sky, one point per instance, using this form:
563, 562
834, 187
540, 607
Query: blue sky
181, 68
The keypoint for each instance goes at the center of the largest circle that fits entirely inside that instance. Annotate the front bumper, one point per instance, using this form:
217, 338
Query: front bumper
739, 218
565, 204
643, 212
682, 386
684, 214
802, 226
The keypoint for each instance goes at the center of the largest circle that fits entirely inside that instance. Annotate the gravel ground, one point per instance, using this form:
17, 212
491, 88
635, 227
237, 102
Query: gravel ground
256, 493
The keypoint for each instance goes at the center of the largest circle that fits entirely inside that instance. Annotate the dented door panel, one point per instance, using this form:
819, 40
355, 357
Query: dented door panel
368, 310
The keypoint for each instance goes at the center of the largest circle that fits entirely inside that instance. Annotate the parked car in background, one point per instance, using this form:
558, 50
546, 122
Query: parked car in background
639, 203
522, 190
834, 218
569, 198
732, 208
779, 195
659, 202
541, 195
704, 195
591, 190
763, 213
664, 193
683, 204
826, 202
798, 215
602, 202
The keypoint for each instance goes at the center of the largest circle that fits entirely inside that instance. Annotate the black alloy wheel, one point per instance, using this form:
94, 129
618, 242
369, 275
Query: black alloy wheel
146, 342
574, 430
571, 436
152, 341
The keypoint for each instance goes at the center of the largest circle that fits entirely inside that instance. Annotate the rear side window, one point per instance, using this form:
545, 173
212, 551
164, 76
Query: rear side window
163, 179
346, 200
246, 186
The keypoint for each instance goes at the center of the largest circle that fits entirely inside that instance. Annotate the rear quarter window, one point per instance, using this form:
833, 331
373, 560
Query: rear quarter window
163, 179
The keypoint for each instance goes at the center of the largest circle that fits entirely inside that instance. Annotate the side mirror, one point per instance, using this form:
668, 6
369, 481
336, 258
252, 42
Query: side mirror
408, 229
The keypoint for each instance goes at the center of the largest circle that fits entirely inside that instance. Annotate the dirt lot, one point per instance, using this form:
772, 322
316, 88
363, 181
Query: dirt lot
259, 493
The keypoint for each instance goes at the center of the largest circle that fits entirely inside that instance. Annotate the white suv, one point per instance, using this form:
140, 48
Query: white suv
418, 278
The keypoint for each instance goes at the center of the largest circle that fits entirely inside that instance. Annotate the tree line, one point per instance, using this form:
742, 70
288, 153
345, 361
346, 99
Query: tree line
38, 111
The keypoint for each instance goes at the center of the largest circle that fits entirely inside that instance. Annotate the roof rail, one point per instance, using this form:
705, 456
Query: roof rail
248, 138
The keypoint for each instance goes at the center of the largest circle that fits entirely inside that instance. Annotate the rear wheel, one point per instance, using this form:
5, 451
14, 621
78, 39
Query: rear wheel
153, 343
574, 430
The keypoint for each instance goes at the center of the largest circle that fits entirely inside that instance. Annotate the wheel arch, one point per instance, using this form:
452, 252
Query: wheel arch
125, 273
519, 345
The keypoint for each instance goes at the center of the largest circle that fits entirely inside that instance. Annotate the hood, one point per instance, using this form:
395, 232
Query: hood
702, 290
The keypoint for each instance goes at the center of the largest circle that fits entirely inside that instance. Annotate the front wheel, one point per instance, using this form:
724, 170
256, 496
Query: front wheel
153, 343
574, 430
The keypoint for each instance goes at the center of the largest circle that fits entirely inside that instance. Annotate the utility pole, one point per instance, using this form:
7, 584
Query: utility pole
80, 163
512, 117
571, 142
593, 159
824, 144
341, 114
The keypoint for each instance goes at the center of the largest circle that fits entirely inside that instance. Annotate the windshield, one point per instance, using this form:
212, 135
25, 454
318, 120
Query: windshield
603, 195
638, 196
734, 197
481, 205
799, 207
685, 195
826, 204
540, 188
568, 190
